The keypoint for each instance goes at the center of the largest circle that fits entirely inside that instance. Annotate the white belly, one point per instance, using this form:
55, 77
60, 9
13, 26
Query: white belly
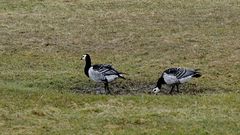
111, 77
186, 79
95, 75
99, 77
170, 79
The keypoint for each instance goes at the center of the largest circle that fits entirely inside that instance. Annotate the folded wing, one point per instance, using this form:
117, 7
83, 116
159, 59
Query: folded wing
104, 72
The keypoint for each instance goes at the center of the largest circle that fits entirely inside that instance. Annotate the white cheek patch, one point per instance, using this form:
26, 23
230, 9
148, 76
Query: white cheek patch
156, 90
84, 57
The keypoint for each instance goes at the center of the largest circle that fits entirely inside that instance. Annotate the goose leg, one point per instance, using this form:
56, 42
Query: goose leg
107, 88
172, 89
178, 88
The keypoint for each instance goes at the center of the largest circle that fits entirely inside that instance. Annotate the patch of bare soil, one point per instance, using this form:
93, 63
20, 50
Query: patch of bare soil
134, 88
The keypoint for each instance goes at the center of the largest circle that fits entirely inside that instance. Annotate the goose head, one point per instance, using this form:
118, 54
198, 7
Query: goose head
159, 85
156, 90
85, 56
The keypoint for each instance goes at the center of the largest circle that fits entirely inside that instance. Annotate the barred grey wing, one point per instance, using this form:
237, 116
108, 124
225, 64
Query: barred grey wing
105, 69
185, 73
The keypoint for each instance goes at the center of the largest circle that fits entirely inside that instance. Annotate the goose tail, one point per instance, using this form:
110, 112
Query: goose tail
197, 73
120, 75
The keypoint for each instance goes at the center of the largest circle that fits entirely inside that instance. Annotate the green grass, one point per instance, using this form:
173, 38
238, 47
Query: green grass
50, 112
42, 41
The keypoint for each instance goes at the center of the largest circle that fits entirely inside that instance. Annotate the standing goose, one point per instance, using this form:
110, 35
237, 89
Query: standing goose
103, 73
176, 76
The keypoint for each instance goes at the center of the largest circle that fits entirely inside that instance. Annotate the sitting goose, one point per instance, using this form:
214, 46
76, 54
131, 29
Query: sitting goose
176, 76
100, 72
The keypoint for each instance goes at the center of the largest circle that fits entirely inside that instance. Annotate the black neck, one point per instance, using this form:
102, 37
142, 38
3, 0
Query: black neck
88, 65
160, 82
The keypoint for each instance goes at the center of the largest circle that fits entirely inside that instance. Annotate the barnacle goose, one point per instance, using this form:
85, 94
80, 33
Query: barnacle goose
103, 73
176, 76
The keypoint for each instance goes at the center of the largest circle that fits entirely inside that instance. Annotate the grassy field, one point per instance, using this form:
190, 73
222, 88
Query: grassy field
50, 112
42, 83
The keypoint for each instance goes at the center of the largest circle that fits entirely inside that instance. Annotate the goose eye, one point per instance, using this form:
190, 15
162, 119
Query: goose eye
154, 90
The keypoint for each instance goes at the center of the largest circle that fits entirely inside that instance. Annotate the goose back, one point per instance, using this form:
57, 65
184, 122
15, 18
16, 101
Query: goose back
179, 75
